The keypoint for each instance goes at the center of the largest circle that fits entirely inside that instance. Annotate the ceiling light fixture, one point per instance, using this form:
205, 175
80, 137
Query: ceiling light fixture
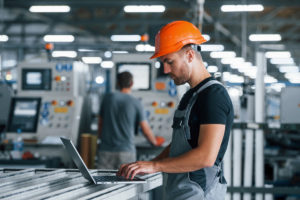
212, 47
3, 38
145, 47
91, 60
107, 64
125, 38
144, 8
222, 54
50, 9
119, 52
288, 69
282, 61
69, 54
59, 38
212, 69
236, 60
242, 8
278, 54
264, 37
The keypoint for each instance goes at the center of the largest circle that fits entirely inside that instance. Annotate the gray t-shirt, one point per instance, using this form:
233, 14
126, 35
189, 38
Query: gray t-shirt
121, 113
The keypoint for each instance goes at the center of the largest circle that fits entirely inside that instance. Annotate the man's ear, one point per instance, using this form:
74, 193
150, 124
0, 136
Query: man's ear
190, 55
131, 83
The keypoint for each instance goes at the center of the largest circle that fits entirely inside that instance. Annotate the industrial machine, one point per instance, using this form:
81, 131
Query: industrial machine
290, 105
49, 102
157, 94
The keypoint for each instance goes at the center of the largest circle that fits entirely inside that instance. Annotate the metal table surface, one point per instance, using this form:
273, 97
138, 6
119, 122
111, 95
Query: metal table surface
62, 184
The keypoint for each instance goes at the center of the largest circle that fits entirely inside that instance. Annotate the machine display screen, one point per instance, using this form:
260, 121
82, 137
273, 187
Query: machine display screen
24, 114
141, 73
36, 79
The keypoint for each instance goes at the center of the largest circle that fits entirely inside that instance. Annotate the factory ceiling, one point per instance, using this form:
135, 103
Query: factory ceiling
92, 22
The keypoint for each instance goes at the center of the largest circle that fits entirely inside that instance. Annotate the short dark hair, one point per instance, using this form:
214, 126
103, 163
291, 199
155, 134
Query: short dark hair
124, 80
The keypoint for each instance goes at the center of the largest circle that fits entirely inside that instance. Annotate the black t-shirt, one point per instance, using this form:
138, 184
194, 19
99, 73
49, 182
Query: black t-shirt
213, 106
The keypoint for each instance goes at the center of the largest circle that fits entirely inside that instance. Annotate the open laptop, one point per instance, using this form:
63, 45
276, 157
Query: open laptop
103, 179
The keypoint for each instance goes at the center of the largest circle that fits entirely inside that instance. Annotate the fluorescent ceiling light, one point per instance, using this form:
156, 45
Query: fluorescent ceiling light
205, 64
86, 50
125, 38
240, 65
282, 61
236, 79
107, 64
212, 69
58, 38
295, 81
212, 47
145, 47
142, 9
99, 79
249, 71
92, 60
49, 9
206, 37
119, 52
270, 79
278, 54
288, 69
236, 60
242, 8
3, 38
69, 54
264, 37
222, 54
292, 75
226, 76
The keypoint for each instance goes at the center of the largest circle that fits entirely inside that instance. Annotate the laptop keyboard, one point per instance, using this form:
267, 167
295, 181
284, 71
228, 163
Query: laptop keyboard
110, 178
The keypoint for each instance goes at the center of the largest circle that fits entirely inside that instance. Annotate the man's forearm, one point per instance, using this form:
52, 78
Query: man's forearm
190, 161
148, 132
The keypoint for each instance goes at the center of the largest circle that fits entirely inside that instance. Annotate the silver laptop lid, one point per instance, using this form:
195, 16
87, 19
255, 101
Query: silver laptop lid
77, 159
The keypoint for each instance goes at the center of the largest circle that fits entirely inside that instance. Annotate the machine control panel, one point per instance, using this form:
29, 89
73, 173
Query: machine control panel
159, 107
54, 78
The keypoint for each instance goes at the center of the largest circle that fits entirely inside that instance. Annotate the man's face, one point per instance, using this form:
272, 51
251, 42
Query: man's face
175, 64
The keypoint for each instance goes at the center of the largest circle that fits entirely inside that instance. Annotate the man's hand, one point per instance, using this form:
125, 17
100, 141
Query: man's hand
130, 170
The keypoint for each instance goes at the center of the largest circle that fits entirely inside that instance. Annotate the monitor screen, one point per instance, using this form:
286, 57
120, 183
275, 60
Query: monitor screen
36, 79
24, 114
141, 73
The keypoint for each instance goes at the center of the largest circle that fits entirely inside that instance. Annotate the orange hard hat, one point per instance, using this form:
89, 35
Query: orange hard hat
173, 36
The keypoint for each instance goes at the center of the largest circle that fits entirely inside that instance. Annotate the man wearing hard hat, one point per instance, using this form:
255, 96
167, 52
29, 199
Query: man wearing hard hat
201, 124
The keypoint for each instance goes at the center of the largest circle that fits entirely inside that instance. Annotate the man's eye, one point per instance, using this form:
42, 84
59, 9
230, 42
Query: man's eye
169, 62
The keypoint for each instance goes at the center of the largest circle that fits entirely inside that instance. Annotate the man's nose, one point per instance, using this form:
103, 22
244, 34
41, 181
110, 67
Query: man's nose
167, 68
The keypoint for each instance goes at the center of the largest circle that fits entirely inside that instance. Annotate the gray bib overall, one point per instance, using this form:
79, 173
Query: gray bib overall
179, 185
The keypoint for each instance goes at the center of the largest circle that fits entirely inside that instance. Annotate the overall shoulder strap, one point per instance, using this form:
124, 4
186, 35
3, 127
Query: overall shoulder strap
192, 102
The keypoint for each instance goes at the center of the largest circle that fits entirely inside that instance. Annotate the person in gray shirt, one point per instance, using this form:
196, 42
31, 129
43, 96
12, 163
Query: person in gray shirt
120, 112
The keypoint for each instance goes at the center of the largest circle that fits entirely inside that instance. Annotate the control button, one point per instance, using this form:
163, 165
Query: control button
171, 104
57, 78
154, 103
70, 103
54, 103
58, 125
63, 78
